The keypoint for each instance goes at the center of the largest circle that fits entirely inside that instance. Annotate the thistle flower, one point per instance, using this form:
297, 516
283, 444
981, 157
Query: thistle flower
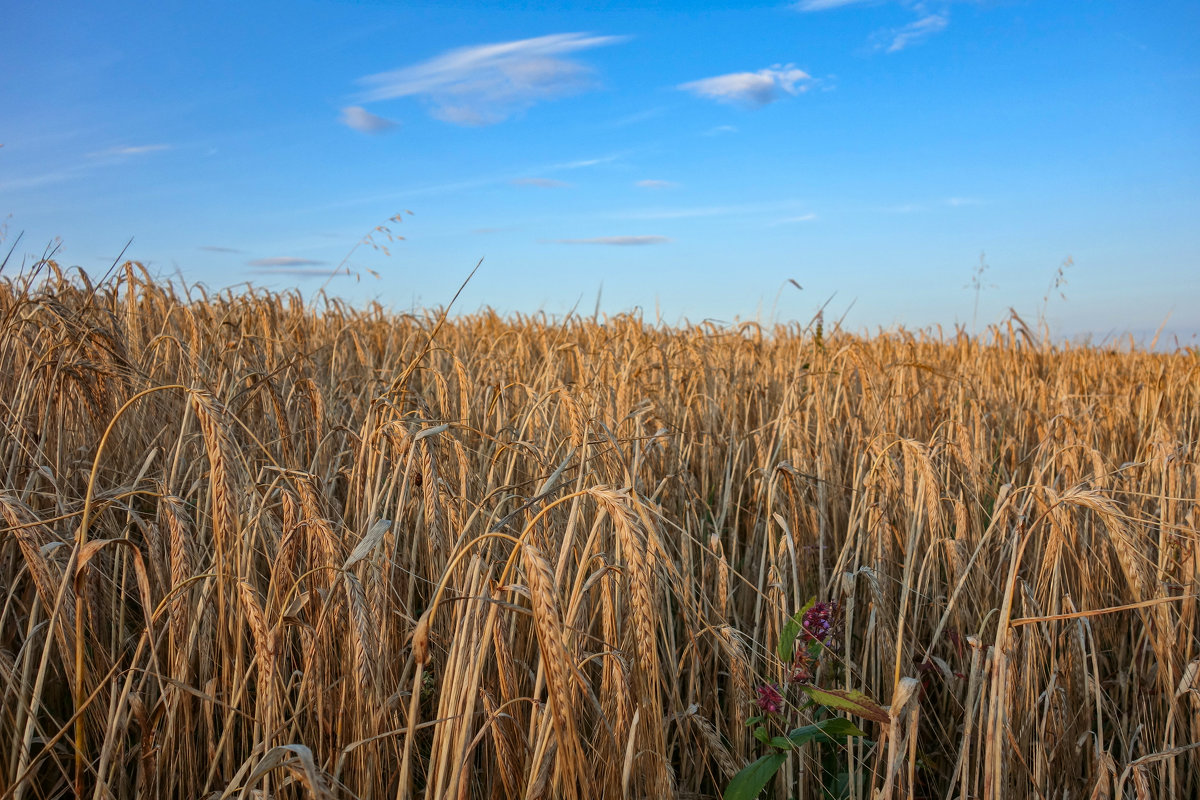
770, 701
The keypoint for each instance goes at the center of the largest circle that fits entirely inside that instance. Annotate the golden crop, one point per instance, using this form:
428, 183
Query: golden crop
250, 547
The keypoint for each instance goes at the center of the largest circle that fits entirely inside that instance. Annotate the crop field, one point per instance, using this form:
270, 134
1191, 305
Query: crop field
252, 546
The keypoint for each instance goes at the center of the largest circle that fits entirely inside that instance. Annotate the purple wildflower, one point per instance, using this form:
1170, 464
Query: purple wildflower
819, 623
770, 701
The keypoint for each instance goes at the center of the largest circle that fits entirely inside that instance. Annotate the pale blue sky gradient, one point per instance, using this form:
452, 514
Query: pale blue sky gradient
691, 157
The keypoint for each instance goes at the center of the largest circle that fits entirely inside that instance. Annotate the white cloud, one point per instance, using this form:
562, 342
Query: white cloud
655, 184
212, 248
541, 183
752, 88
917, 31
802, 218
620, 241
485, 84
364, 121
721, 129
962, 201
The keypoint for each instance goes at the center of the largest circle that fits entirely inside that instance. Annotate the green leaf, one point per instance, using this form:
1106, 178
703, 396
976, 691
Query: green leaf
787, 638
754, 720
750, 781
839, 788
780, 743
762, 735
851, 701
827, 730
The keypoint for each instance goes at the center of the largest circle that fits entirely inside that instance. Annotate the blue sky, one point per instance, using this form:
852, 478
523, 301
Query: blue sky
691, 158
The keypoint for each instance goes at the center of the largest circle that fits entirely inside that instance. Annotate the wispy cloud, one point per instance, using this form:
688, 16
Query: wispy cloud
916, 31
135, 150
44, 179
212, 248
962, 201
587, 162
801, 218
364, 121
824, 5
752, 89
298, 272
893, 40
677, 213
284, 262
85, 165
540, 183
486, 84
655, 184
721, 130
781, 206
619, 241
638, 116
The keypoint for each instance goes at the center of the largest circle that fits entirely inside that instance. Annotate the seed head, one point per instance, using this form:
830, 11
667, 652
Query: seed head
801, 668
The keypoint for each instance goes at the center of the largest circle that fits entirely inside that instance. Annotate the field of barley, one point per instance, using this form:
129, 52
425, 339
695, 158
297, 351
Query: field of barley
253, 546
